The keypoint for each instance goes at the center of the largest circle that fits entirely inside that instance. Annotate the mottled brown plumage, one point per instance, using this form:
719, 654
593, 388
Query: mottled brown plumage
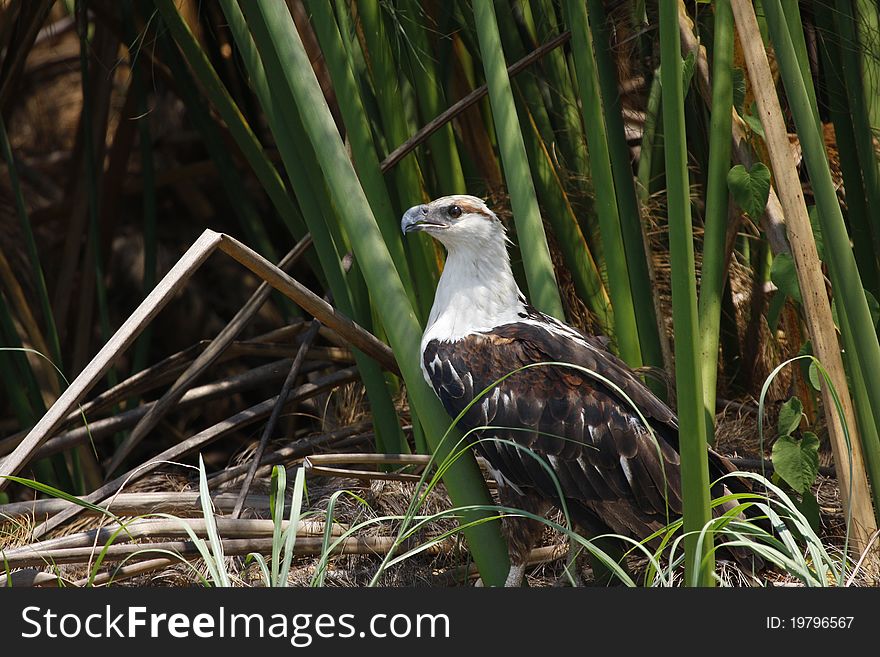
611, 470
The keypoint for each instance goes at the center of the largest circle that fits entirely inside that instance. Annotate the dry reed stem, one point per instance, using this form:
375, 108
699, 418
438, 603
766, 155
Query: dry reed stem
176, 278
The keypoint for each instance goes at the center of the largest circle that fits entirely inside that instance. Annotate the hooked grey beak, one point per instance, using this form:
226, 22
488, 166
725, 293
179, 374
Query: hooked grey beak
416, 218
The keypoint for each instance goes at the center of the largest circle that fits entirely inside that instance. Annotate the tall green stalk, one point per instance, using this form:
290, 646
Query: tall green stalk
523, 200
852, 67
576, 252
860, 336
308, 185
715, 233
426, 78
636, 248
699, 567
856, 197
364, 152
625, 326
280, 41
407, 175
571, 135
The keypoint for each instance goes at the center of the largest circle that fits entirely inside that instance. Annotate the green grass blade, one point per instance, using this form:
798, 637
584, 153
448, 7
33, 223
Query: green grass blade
299, 487
217, 561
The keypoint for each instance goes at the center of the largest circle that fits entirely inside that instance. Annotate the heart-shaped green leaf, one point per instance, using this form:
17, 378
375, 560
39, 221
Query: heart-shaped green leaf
797, 461
750, 188
783, 274
790, 416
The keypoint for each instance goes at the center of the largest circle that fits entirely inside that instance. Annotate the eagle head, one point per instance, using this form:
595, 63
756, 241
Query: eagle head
454, 221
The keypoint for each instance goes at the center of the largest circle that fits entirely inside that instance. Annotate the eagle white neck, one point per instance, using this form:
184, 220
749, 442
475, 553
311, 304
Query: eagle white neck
477, 292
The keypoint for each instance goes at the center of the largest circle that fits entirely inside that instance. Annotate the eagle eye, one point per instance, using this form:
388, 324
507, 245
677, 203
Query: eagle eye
454, 211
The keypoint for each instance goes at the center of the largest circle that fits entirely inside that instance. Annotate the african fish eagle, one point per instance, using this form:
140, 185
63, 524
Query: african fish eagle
612, 473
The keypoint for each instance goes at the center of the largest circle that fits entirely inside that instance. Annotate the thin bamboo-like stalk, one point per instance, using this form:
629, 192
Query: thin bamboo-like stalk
463, 480
773, 219
526, 86
847, 455
625, 326
636, 248
153, 527
868, 28
182, 504
858, 220
699, 565
571, 136
851, 61
575, 251
363, 149
425, 76
529, 228
715, 233
391, 95
469, 100
850, 168
792, 13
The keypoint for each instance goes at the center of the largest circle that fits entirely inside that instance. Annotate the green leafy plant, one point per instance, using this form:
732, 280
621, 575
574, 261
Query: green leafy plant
795, 458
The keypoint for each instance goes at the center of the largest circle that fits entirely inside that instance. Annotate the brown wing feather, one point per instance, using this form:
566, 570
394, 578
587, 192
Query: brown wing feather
602, 455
